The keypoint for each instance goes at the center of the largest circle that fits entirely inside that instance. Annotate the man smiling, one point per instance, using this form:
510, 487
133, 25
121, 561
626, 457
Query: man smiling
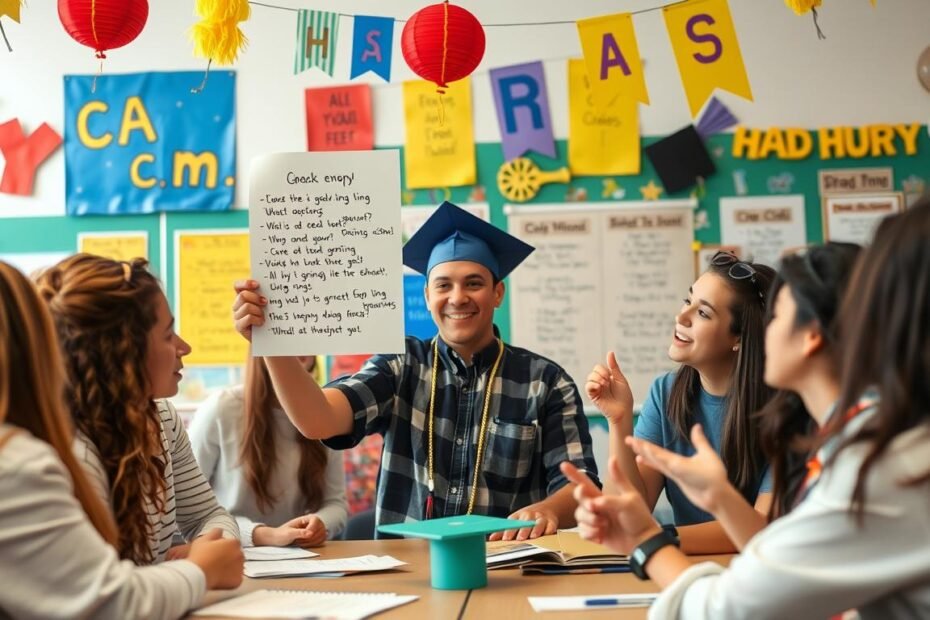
470, 424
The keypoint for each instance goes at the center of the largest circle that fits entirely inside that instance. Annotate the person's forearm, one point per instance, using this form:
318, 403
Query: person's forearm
562, 503
705, 539
307, 405
618, 448
740, 520
666, 565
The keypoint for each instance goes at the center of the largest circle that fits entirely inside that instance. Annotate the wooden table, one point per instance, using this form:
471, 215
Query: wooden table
505, 596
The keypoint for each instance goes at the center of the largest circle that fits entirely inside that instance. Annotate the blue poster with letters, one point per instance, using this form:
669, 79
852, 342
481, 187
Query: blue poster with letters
143, 142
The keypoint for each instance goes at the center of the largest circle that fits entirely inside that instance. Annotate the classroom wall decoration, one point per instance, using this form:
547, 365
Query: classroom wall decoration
23, 155
442, 43
103, 25
316, 40
833, 142
339, 118
372, 46
522, 104
612, 57
11, 9
143, 143
217, 36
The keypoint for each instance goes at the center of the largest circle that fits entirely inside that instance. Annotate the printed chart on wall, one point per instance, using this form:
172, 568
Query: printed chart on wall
763, 226
417, 319
207, 262
116, 245
326, 239
603, 277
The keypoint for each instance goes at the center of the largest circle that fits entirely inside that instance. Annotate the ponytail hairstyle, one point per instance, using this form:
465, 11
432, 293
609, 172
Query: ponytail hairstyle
817, 279
31, 381
257, 446
739, 448
103, 310
885, 335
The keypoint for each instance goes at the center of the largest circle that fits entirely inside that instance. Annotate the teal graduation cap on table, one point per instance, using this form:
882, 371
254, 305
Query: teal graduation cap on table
457, 555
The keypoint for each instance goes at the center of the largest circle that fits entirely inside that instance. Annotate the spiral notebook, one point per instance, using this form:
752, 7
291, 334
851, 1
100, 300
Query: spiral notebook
306, 604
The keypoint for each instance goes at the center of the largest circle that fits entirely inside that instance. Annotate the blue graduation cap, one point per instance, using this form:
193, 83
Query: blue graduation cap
453, 234
457, 551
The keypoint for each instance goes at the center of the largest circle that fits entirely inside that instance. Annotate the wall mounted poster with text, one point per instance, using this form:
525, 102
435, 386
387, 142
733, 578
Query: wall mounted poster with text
143, 142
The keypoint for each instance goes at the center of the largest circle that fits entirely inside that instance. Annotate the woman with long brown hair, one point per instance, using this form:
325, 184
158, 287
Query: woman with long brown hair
857, 538
282, 488
718, 342
57, 556
123, 359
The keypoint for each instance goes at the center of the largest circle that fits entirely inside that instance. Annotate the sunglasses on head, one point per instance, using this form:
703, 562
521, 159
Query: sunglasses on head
739, 270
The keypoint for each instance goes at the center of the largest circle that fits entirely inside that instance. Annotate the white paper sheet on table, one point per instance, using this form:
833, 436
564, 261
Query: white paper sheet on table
277, 553
306, 604
596, 601
285, 568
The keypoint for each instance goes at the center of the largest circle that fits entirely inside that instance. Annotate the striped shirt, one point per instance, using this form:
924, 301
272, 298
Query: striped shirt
190, 505
535, 421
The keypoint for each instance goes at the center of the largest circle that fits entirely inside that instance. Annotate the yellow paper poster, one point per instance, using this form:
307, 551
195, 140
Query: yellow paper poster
602, 140
706, 50
206, 266
440, 149
611, 55
116, 245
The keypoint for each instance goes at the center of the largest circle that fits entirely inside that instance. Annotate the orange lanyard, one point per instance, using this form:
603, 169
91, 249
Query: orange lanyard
815, 465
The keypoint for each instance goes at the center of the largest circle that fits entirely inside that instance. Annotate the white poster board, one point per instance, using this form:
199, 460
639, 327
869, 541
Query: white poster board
763, 226
854, 218
603, 277
326, 249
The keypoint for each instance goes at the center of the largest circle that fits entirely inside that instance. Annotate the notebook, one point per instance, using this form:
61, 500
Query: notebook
295, 568
305, 604
560, 553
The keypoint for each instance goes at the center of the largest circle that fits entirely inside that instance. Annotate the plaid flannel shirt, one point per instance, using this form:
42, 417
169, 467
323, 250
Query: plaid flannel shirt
535, 421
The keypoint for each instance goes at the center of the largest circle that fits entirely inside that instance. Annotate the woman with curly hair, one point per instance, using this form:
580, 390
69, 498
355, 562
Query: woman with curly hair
56, 536
123, 356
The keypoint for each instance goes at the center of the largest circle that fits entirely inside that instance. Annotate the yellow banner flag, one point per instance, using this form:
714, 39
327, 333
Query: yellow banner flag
205, 265
440, 149
612, 57
602, 139
706, 49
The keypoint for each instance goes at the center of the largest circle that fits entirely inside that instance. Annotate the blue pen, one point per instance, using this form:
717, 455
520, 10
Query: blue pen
595, 602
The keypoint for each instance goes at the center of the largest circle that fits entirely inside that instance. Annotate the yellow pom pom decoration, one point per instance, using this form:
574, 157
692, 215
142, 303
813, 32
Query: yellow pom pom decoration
217, 36
800, 7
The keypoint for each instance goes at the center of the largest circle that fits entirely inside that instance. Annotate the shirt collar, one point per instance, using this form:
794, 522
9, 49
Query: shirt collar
482, 360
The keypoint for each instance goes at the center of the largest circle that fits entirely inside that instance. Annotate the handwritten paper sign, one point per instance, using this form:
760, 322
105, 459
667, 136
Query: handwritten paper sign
206, 265
763, 226
326, 251
855, 218
116, 245
602, 278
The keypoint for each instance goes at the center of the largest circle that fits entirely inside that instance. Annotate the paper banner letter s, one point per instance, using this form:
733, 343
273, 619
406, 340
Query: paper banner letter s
372, 44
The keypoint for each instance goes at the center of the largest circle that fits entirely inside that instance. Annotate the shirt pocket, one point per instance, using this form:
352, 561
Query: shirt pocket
510, 453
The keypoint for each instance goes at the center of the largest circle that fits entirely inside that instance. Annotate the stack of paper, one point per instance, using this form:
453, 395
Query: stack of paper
277, 553
305, 604
294, 568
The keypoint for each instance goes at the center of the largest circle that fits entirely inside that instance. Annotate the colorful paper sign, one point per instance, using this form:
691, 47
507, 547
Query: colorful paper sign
116, 245
602, 140
142, 142
440, 146
372, 43
316, 40
611, 55
832, 142
706, 49
522, 104
24, 154
206, 265
339, 118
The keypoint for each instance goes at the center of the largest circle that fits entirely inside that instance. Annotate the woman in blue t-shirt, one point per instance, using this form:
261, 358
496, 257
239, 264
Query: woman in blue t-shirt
718, 339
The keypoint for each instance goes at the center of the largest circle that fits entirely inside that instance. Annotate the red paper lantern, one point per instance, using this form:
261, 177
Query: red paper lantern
103, 24
442, 43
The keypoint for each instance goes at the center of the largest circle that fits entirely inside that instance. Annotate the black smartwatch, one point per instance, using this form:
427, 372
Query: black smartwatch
645, 550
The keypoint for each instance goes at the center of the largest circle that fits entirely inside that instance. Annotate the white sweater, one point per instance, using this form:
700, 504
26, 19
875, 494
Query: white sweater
215, 433
190, 505
54, 564
816, 561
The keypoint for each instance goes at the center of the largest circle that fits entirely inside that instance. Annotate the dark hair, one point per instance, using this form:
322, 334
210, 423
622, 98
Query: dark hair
817, 279
257, 445
885, 336
103, 310
739, 445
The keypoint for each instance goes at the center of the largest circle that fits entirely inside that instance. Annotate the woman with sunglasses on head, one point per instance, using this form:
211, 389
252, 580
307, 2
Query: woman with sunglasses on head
57, 538
124, 359
718, 340
857, 536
